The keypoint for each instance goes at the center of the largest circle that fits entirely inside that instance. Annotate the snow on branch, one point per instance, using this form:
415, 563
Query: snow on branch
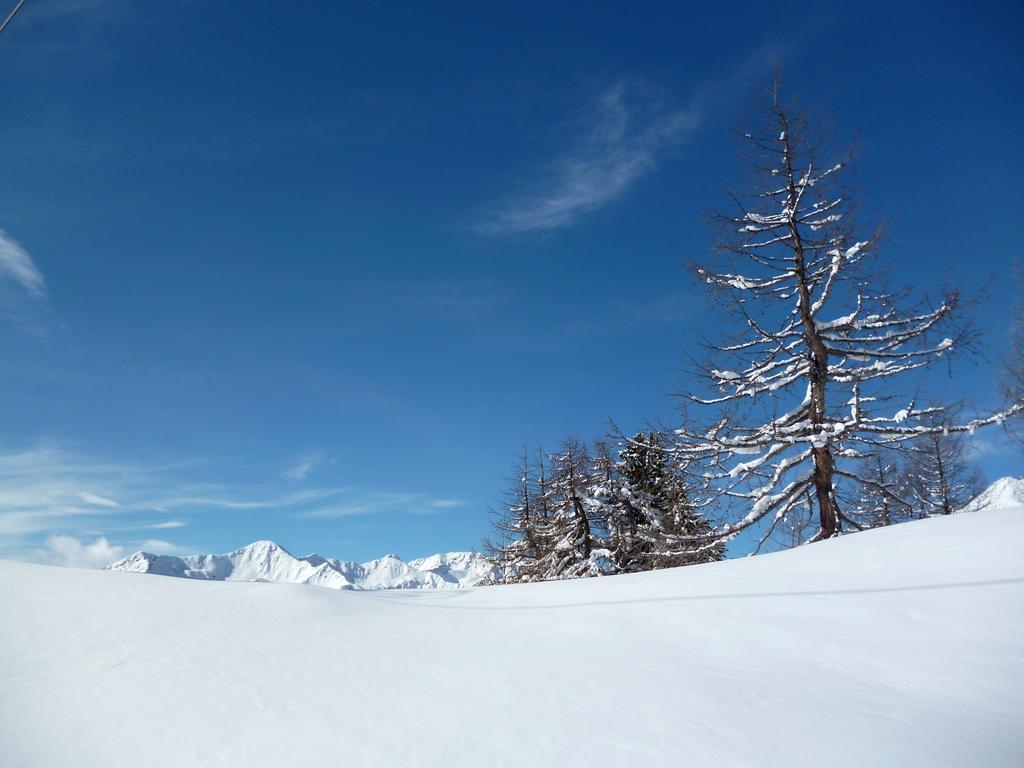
820, 348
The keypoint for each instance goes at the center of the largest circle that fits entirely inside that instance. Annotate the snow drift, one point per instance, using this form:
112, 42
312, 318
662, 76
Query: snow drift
267, 561
898, 647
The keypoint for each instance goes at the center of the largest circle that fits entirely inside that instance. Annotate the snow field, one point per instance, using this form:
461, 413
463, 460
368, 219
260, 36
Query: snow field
895, 647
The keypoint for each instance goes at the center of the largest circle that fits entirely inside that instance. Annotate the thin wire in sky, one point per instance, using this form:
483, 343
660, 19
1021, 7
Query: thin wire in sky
11, 15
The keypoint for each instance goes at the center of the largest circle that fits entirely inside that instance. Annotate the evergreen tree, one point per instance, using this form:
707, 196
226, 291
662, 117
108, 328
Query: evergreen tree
577, 513
654, 514
625, 512
516, 548
572, 533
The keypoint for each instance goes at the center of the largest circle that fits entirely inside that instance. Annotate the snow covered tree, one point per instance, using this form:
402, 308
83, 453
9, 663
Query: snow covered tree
943, 478
648, 508
884, 498
573, 545
628, 512
809, 387
609, 502
517, 546
580, 513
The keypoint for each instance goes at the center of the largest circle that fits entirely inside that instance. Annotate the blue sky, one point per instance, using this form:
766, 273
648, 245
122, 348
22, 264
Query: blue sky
316, 275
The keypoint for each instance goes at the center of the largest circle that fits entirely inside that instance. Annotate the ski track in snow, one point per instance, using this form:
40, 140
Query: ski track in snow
894, 647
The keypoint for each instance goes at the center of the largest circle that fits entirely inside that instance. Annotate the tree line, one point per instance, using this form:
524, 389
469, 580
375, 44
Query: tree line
809, 420
588, 511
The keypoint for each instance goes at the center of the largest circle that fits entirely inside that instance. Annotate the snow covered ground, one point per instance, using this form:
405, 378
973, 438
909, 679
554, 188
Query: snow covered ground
895, 647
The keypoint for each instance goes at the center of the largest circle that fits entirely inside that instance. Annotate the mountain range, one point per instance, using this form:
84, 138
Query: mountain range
268, 561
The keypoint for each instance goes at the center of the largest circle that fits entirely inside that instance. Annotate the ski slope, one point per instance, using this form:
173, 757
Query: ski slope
895, 647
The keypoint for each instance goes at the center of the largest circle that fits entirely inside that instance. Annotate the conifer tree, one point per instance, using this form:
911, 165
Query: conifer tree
816, 378
653, 510
578, 513
626, 512
517, 546
572, 533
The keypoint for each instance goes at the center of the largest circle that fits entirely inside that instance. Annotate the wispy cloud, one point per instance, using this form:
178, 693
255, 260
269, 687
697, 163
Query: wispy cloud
447, 503
17, 265
160, 525
62, 506
97, 501
304, 467
627, 131
278, 501
43, 486
377, 503
158, 546
46, 487
625, 134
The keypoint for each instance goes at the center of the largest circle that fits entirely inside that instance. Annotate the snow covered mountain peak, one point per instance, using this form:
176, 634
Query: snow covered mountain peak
460, 560
459, 566
261, 546
1004, 493
269, 561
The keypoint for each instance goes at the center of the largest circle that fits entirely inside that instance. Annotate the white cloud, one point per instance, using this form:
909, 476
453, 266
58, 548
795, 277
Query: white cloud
305, 466
158, 546
222, 502
98, 501
69, 551
43, 506
995, 444
376, 503
41, 488
447, 503
17, 265
42, 493
627, 132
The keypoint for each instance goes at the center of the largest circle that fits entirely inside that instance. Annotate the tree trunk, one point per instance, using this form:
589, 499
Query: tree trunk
584, 524
818, 354
823, 462
823, 491
947, 507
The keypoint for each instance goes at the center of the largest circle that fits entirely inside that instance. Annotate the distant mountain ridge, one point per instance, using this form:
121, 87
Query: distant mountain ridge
1006, 492
269, 561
